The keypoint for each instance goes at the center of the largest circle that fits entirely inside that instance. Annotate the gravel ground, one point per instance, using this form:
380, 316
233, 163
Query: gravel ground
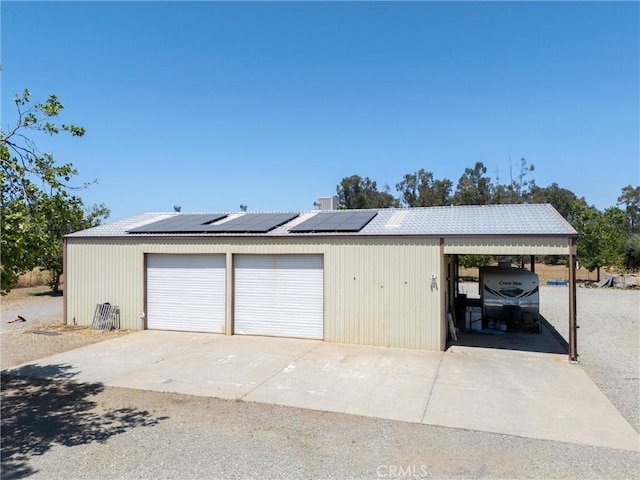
38, 308
65, 430
43, 333
93, 432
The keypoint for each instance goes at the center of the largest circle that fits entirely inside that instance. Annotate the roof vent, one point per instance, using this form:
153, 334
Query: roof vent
177, 208
243, 207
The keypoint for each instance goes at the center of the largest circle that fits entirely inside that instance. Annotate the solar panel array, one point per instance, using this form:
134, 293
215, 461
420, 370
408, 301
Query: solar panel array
182, 223
348, 221
253, 223
202, 223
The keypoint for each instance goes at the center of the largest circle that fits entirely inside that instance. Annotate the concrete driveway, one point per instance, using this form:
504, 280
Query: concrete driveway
526, 394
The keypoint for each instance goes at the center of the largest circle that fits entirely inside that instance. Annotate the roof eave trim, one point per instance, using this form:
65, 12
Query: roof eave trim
334, 235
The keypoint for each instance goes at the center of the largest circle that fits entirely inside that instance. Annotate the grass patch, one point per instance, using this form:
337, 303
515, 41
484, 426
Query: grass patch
24, 293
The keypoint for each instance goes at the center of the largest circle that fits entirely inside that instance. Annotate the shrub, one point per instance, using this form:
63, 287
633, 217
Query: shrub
631, 253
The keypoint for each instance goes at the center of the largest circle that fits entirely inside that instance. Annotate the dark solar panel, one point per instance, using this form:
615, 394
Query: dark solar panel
202, 223
252, 223
181, 223
335, 222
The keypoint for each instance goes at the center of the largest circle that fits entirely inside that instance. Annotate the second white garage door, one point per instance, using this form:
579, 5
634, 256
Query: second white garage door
186, 292
279, 295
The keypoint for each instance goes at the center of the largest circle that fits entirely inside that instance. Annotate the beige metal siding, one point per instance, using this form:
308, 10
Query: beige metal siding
506, 246
377, 290
104, 271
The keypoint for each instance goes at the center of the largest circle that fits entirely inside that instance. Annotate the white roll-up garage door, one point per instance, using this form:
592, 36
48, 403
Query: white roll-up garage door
279, 295
186, 292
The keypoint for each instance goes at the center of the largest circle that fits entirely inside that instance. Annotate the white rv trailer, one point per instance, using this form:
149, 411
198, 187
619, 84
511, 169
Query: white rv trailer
511, 295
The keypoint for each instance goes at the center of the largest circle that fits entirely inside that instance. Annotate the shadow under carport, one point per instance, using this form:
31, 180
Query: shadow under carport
549, 340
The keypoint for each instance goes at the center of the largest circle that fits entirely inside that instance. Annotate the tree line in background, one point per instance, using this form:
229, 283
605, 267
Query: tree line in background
606, 239
37, 200
39, 207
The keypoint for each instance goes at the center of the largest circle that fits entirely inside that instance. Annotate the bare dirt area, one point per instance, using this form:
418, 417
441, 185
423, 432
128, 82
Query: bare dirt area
42, 333
61, 430
548, 273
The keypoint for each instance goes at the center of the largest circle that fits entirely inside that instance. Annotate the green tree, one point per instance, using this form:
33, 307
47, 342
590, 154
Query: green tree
630, 198
474, 187
29, 178
59, 215
18, 243
561, 199
520, 186
631, 253
519, 189
470, 261
355, 192
420, 189
600, 237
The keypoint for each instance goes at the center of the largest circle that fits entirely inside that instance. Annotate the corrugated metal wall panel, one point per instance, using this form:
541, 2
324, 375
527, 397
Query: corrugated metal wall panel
379, 293
186, 292
506, 246
100, 272
279, 295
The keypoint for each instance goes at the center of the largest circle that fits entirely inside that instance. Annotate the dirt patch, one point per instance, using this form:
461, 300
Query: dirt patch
547, 273
25, 345
43, 333
38, 415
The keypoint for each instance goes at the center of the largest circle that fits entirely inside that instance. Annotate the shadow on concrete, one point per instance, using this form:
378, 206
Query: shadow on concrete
38, 413
548, 340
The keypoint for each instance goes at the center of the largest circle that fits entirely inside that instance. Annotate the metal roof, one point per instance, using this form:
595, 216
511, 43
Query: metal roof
467, 220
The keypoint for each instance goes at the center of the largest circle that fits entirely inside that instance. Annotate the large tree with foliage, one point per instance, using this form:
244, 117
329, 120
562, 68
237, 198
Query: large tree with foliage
631, 253
420, 189
601, 237
563, 200
35, 189
355, 192
520, 186
630, 199
59, 215
474, 187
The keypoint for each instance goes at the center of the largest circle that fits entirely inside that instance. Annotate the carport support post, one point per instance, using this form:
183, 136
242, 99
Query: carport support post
573, 325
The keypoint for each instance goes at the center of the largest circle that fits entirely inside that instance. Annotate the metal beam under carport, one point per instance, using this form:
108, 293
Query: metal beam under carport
524, 245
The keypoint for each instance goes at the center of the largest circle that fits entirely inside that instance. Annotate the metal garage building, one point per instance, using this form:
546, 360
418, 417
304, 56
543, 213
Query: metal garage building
374, 277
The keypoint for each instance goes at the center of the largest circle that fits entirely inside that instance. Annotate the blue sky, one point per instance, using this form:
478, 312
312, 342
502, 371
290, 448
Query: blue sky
212, 104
